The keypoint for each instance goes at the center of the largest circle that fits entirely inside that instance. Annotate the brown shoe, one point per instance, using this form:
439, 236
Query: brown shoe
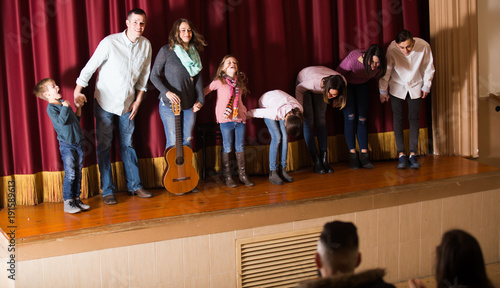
109, 200
142, 193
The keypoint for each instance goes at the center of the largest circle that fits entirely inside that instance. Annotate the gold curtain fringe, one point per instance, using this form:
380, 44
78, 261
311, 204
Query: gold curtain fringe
47, 186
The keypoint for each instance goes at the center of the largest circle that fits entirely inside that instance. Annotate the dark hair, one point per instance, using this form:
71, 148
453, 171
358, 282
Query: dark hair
403, 36
335, 82
340, 236
375, 50
196, 40
293, 122
136, 11
460, 261
41, 87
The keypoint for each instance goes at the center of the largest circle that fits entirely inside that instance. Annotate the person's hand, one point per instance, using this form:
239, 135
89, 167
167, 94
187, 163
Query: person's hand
134, 108
196, 107
173, 97
423, 94
79, 99
384, 98
415, 283
65, 103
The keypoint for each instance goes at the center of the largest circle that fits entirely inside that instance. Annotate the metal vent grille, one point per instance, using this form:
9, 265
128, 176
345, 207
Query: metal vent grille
279, 260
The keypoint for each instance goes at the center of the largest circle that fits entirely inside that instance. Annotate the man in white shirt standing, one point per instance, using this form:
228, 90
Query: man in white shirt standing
124, 63
410, 70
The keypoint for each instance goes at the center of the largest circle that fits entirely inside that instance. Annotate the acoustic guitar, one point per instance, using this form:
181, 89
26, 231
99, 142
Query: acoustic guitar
180, 176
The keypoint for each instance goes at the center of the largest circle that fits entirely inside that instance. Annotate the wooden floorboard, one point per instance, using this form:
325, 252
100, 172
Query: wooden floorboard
49, 218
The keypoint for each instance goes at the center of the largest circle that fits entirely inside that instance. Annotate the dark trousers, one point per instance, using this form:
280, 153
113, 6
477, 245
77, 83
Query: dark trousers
413, 118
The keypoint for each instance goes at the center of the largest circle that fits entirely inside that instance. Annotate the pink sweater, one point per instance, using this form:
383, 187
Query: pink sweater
223, 95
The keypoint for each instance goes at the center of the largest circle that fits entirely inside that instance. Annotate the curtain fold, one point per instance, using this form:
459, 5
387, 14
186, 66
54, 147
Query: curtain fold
453, 29
272, 39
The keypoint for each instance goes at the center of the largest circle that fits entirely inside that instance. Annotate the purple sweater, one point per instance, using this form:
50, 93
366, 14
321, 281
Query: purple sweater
353, 70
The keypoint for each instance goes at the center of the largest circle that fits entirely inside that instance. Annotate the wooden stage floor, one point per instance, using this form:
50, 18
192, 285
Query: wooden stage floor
48, 221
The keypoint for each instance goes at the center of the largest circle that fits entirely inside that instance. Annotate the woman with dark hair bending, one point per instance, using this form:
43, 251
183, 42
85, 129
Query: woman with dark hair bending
317, 87
358, 68
176, 74
459, 263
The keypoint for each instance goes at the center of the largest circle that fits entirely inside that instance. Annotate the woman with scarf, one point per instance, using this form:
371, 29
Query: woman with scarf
231, 115
176, 74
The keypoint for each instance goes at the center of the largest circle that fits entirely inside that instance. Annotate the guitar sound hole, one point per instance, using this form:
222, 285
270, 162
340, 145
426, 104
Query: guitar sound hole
179, 161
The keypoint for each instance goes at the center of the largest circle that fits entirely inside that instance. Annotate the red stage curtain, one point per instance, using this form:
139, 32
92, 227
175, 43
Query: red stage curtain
272, 39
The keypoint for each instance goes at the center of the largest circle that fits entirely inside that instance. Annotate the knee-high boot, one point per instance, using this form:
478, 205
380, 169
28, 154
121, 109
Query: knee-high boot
226, 171
240, 159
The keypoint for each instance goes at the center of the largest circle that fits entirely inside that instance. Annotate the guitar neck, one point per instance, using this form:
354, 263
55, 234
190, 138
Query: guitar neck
178, 137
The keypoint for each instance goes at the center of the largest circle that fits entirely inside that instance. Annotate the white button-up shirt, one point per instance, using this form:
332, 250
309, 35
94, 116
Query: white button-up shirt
408, 74
124, 67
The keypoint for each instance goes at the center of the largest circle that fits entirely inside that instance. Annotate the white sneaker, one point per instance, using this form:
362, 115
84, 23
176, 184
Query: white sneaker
81, 205
71, 207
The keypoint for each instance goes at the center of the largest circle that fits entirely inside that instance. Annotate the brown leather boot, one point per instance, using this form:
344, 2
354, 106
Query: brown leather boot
240, 159
226, 171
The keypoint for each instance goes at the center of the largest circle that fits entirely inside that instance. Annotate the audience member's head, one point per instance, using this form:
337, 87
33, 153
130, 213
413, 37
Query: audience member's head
459, 262
338, 249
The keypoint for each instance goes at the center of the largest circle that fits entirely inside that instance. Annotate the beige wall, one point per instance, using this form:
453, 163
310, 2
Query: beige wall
400, 238
489, 81
489, 43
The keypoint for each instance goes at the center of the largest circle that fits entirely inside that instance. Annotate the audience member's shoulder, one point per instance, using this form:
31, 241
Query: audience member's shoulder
367, 279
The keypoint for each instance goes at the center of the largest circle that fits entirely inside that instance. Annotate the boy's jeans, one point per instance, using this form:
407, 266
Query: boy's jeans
72, 157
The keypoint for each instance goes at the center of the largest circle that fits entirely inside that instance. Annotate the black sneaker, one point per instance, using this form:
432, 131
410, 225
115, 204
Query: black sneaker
414, 162
403, 163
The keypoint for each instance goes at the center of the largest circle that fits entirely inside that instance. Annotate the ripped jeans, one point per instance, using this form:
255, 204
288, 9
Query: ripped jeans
356, 108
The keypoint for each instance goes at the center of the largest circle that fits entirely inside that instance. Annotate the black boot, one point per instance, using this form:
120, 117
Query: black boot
240, 159
324, 160
275, 178
354, 160
284, 175
318, 166
365, 161
226, 171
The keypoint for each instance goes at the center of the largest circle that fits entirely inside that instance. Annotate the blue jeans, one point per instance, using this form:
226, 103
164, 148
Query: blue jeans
233, 134
314, 113
104, 131
357, 104
188, 118
72, 157
279, 136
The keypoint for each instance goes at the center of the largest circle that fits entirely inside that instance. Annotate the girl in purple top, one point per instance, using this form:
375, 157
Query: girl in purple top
231, 116
358, 68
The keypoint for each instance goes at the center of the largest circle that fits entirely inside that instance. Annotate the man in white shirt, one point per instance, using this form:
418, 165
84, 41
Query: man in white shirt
410, 70
124, 63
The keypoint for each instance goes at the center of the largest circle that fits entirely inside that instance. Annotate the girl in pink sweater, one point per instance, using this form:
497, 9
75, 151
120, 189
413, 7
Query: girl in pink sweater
231, 115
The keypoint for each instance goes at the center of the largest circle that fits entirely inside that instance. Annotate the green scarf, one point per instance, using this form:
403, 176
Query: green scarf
190, 59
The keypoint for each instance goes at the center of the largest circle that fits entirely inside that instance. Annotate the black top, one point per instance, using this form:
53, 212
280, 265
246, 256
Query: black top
168, 74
